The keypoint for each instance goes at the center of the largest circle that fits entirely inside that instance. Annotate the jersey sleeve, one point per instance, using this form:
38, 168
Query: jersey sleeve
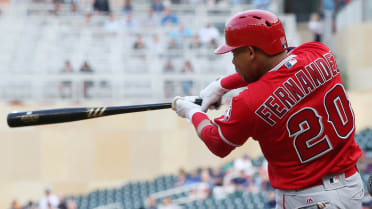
233, 81
227, 131
209, 135
234, 126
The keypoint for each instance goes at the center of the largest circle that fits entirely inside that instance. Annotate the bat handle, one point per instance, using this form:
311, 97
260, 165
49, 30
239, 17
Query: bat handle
198, 101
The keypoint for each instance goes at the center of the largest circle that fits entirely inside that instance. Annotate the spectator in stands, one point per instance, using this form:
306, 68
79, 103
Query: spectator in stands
151, 19
65, 87
127, 8
15, 205
187, 67
30, 205
262, 4
181, 33
57, 7
316, 27
74, 8
181, 178
62, 203
112, 25
262, 180
204, 188
362, 162
49, 198
367, 201
85, 67
240, 181
270, 203
67, 68
151, 202
212, 44
169, 18
187, 85
217, 176
88, 18
167, 204
157, 6
244, 164
168, 67
195, 44
174, 44
129, 22
368, 168
329, 9
194, 177
250, 186
207, 33
139, 43
101, 7
156, 45
71, 204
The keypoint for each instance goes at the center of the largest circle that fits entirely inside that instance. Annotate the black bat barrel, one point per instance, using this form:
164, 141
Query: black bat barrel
39, 117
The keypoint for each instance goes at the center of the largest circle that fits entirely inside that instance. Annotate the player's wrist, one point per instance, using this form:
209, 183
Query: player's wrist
198, 117
221, 90
189, 114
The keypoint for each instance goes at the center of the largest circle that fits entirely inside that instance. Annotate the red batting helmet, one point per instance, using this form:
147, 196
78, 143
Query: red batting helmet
257, 28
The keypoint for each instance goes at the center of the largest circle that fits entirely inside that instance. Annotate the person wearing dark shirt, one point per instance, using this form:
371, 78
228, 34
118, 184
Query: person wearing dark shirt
101, 6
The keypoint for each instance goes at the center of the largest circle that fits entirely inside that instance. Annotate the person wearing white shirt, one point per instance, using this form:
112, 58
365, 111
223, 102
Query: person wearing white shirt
208, 33
49, 200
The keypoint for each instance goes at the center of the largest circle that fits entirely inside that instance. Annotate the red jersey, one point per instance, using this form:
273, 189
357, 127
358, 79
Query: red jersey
300, 115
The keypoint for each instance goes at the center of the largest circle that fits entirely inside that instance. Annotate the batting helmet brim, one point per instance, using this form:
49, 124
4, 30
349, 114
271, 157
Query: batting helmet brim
224, 49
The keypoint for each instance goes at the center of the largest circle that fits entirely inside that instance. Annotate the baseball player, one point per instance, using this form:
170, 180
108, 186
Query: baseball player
295, 106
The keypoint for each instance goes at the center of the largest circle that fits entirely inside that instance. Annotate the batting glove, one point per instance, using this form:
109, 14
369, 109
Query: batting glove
185, 107
212, 95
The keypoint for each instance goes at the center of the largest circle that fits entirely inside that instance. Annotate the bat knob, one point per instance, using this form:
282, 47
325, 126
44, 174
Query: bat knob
174, 102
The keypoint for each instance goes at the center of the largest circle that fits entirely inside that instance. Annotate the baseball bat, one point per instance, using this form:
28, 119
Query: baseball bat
61, 115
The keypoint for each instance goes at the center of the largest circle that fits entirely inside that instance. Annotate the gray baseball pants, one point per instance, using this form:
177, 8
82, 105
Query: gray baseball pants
337, 192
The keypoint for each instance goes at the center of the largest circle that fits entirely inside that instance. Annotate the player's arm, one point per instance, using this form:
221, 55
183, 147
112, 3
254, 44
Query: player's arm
213, 93
209, 133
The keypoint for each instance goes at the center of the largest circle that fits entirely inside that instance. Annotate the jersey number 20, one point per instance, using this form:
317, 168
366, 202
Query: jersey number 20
307, 128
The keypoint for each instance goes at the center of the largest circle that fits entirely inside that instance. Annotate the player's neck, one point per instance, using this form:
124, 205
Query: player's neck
272, 61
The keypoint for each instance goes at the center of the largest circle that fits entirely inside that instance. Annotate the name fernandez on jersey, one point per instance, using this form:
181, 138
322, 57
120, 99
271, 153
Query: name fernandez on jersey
297, 87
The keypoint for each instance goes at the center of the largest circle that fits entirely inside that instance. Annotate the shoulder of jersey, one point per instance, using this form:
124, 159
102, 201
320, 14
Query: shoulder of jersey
309, 46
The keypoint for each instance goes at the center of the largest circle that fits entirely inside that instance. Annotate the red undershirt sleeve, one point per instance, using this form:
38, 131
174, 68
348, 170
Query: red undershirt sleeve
233, 81
210, 136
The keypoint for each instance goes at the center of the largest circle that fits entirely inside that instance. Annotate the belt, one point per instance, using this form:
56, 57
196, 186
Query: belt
348, 173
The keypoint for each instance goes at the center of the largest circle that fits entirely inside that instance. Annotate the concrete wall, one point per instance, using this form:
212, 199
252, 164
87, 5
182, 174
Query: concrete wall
353, 46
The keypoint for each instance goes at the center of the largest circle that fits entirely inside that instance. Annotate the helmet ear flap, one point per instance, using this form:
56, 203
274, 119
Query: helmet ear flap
258, 28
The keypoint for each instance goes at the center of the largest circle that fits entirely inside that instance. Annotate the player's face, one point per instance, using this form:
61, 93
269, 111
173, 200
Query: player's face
245, 63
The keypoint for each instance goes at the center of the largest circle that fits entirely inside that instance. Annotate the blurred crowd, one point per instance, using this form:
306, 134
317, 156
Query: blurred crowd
316, 22
239, 176
243, 175
49, 201
103, 6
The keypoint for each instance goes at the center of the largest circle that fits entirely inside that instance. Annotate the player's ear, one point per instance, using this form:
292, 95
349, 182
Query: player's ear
251, 51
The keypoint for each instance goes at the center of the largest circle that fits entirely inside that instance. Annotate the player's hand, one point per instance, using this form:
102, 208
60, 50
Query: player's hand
212, 95
185, 106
